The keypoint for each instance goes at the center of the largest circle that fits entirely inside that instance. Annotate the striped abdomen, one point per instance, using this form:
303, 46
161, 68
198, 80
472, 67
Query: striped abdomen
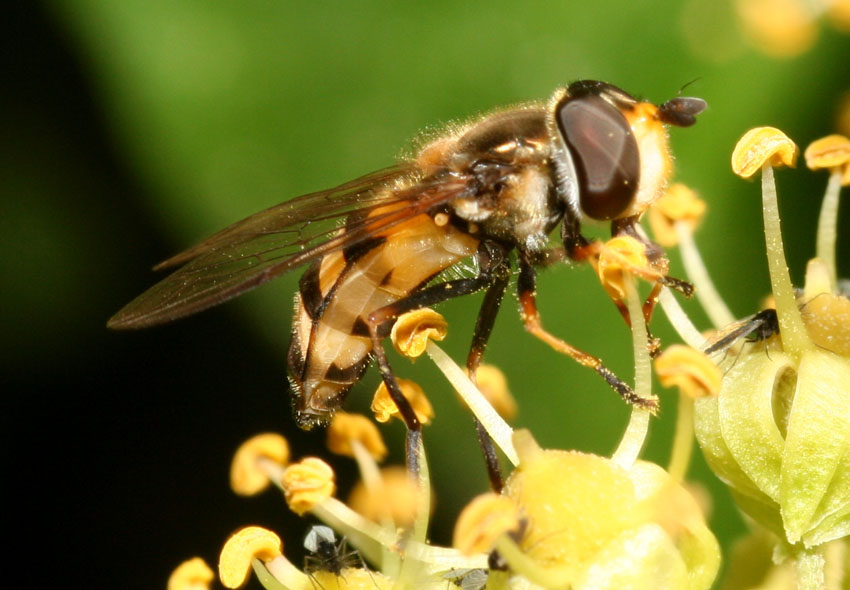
331, 345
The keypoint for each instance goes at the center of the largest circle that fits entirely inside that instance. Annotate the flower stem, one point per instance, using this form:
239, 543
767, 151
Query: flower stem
828, 225
496, 427
683, 440
279, 574
369, 472
791, 327
706, 292
551, 577
635, 436
679, 319
423, 510
809, 568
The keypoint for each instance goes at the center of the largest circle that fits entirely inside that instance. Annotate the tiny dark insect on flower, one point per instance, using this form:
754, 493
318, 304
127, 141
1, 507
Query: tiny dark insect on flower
326, 553
756, 328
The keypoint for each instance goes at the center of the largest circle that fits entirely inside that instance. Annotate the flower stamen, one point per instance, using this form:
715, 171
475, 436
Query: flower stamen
385, 408
241, 549
638, 428
255, 460
763, 148
831, 153
192, 574
307, 484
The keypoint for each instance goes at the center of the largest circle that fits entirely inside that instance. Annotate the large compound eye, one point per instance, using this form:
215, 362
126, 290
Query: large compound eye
604, 152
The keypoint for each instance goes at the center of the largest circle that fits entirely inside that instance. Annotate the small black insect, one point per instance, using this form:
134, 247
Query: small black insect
756, 328
327, 554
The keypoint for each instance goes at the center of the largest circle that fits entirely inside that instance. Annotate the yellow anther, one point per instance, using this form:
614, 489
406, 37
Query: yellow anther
679, 205
690, 370
760, 146
192, 574
412, 330
385, 408
827, 320
830, 152
247, 477
346, 428
620, 256
484, 520
307, 483
493, 385
396, 498
245, 545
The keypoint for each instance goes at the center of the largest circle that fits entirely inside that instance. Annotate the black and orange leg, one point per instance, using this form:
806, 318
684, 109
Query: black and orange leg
499, 270
630, 226
656, 256
381, 321
526, 287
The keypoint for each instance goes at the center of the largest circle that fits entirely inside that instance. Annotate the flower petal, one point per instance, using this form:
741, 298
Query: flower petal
817, 443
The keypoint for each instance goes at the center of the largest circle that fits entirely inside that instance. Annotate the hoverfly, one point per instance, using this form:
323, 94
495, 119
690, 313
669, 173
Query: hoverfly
499, 183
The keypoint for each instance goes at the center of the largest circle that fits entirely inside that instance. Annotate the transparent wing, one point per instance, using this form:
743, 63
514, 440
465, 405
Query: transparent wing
728, 335
272, 242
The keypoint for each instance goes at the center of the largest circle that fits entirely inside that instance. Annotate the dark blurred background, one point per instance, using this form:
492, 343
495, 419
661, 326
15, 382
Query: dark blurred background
132, 129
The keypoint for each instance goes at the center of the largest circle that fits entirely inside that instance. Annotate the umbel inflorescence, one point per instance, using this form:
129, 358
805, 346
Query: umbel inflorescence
773, 421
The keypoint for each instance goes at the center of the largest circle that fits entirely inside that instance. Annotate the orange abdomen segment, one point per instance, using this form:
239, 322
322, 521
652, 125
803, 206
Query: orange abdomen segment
331, 345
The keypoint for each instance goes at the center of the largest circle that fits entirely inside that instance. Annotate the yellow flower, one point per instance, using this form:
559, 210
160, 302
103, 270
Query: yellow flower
592, 523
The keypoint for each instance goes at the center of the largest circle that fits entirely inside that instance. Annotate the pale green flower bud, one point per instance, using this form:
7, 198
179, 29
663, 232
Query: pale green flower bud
778, 432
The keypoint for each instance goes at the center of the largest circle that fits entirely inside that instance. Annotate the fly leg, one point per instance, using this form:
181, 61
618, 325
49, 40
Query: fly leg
526, 287
580, 249
380, 323
499, 270
630, 226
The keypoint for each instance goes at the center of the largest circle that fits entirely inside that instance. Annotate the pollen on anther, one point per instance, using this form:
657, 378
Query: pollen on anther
385, 408
483, 521
246, 474
830, 152
412, 330
620, 256
307, 483
688, 369
346, 428
192, 574
241, 548
493, 385
397, 497
678, 205
760, 146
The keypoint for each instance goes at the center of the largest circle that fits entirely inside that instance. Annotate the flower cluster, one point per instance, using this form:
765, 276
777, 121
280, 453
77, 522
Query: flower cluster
767, 397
